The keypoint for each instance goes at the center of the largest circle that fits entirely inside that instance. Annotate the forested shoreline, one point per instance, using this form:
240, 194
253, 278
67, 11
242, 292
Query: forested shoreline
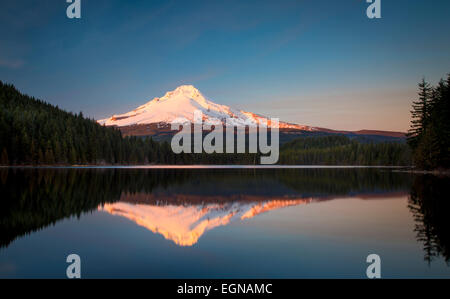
33, 132
341, 150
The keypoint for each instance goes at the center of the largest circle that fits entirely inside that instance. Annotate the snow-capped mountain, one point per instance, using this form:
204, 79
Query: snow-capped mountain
181, 103
154, 117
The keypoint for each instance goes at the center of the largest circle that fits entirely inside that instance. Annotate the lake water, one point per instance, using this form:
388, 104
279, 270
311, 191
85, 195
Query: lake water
223, 223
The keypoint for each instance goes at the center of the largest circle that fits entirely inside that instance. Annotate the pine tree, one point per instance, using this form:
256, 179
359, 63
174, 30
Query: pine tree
49, 157
41, 159
4, 158
419, 114
441, 120
427, 153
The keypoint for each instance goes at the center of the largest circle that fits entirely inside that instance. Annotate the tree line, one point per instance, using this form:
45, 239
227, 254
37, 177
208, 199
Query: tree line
341, 150
429, 135
33, 132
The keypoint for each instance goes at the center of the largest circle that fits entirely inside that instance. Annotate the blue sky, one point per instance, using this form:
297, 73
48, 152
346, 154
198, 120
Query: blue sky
321, 63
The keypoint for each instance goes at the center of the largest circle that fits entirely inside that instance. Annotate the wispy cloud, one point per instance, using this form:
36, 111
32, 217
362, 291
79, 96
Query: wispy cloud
11, 63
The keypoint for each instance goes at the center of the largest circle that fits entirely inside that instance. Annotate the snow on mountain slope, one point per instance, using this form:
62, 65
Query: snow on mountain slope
182, 102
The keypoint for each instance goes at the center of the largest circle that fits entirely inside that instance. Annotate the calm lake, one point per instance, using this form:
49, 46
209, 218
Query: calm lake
223, 223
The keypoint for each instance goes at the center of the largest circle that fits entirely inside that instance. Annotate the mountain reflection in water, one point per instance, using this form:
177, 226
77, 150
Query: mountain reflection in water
184, 225
182, 204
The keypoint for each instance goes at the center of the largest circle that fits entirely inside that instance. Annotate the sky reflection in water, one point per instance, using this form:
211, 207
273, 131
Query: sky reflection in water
221, 223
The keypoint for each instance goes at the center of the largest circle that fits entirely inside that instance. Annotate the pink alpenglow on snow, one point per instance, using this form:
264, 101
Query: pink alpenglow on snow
182, 103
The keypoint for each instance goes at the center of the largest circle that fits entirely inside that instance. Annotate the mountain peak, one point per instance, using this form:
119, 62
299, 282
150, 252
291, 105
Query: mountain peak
185, 90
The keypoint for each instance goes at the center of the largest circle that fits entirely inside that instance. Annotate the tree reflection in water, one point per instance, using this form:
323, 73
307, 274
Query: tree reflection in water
429, 202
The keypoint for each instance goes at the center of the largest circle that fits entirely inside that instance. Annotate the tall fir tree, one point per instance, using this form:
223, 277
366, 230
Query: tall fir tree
419, 114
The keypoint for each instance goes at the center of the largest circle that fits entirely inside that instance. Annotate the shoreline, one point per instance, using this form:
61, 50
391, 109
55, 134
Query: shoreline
403, 169
206, 166
439, 172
